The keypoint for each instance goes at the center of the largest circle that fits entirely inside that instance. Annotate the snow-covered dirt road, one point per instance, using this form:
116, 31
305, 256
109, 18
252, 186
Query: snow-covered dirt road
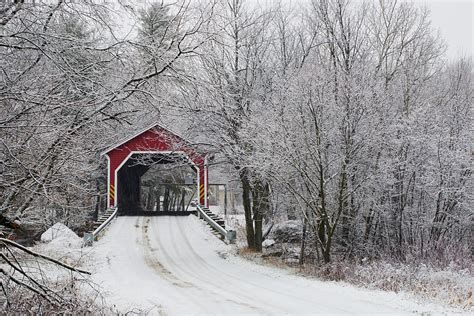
175, 266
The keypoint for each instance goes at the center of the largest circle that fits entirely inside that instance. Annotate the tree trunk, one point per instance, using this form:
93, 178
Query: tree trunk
150, 198
247, 208
183, 196
158, 199
261, 202
166, 199
303, 240
97, 200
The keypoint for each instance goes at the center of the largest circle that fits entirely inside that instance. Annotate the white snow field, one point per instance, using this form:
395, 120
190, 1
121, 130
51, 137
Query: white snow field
174, 265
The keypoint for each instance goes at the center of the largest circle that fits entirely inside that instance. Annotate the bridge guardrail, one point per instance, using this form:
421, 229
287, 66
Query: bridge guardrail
90, 237
229, 235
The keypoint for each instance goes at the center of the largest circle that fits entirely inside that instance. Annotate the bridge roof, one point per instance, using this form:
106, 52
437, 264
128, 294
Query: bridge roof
142, 131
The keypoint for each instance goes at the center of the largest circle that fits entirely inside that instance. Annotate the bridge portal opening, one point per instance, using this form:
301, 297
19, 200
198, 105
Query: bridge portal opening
133, 157
169, 187
157, 182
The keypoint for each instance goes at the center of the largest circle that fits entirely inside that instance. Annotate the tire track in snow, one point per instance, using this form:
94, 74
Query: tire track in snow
169, 258
252, 286
197, 275
211, 274
285, 293
197, 290
152, 262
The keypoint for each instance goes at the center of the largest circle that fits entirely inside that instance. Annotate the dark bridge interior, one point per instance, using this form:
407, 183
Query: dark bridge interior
129, 192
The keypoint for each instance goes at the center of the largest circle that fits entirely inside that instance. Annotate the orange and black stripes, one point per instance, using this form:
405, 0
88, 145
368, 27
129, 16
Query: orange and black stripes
201, 193
112, 192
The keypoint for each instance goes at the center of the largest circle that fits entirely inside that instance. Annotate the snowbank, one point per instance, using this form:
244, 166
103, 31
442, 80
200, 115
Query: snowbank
268, 243
60, 235
288, 231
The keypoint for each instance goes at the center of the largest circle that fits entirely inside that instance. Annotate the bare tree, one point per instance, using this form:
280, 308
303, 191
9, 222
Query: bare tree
68, 78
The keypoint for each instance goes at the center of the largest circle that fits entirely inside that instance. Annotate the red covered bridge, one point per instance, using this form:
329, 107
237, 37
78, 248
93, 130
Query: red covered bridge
155, 144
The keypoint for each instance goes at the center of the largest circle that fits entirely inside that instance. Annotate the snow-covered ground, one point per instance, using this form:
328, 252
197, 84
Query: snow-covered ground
176, 266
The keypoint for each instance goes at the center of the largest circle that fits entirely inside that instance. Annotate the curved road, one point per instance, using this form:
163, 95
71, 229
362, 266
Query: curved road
174, 265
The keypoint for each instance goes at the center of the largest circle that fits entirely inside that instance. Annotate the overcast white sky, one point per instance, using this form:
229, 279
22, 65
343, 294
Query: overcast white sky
454, 19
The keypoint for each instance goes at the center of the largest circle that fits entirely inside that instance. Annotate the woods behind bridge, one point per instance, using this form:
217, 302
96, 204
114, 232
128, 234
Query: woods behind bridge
346, 116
